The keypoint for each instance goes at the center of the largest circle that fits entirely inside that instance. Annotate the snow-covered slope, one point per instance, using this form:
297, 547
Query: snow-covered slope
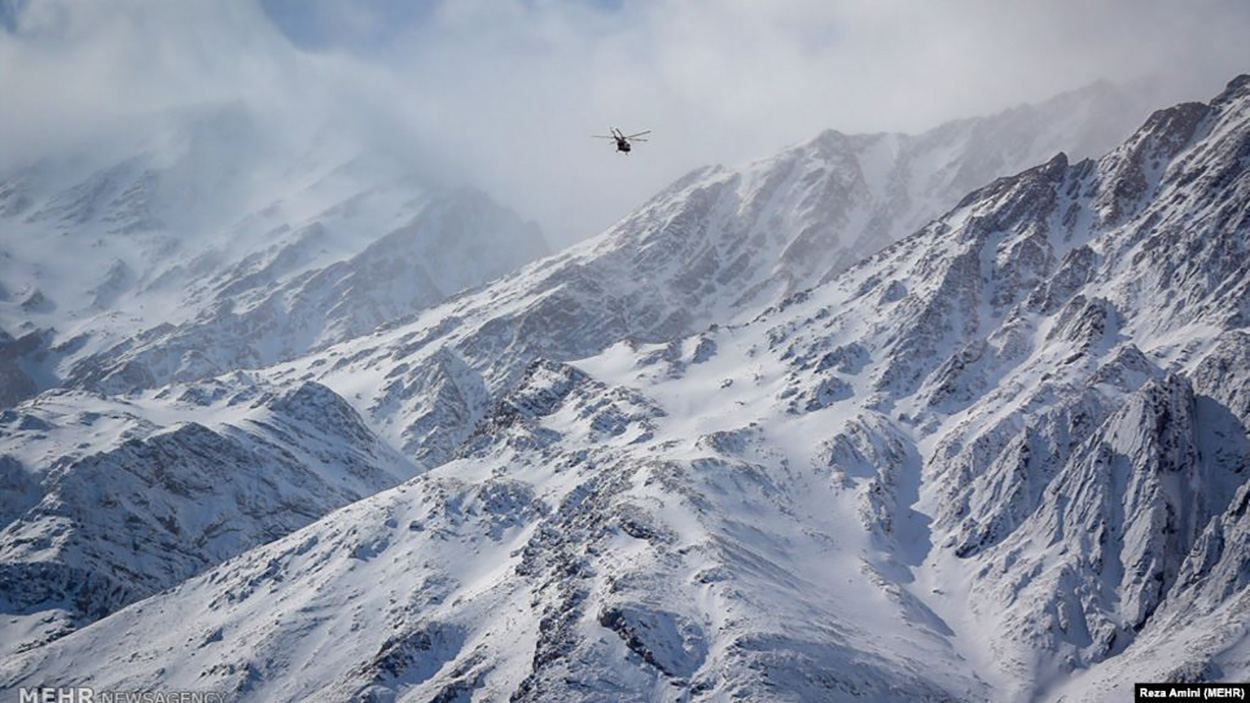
1004, 459
215, 240
577, 553
268, 308
710, 249
108, 500
289, 275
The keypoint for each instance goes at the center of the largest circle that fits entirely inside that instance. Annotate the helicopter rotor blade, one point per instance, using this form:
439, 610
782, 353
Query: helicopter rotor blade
639, 134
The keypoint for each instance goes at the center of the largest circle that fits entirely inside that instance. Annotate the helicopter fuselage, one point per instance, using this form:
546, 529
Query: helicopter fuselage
622, 139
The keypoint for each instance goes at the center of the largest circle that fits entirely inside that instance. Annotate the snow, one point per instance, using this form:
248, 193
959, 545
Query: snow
976, 465
217, 241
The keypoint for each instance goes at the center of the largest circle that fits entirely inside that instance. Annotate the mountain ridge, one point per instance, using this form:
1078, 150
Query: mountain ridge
906, 483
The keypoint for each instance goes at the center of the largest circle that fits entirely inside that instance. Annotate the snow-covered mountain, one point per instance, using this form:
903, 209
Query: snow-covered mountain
215, 240
714, 245
1005, 458
232, 244
712, 248
109, 500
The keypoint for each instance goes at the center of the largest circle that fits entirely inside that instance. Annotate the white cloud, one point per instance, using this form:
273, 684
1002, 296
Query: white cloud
505, 94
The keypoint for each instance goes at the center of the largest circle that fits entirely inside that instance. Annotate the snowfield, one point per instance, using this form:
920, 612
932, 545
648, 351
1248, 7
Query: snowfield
713, 454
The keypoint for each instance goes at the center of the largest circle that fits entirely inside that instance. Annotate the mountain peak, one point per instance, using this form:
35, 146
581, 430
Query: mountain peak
1237, 88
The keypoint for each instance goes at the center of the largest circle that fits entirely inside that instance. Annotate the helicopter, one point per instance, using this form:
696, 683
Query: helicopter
622, 140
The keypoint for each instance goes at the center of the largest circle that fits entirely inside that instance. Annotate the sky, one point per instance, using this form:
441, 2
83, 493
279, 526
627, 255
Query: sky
504, 94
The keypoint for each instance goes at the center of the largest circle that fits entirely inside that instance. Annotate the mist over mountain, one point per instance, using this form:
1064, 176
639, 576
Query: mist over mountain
230, 243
